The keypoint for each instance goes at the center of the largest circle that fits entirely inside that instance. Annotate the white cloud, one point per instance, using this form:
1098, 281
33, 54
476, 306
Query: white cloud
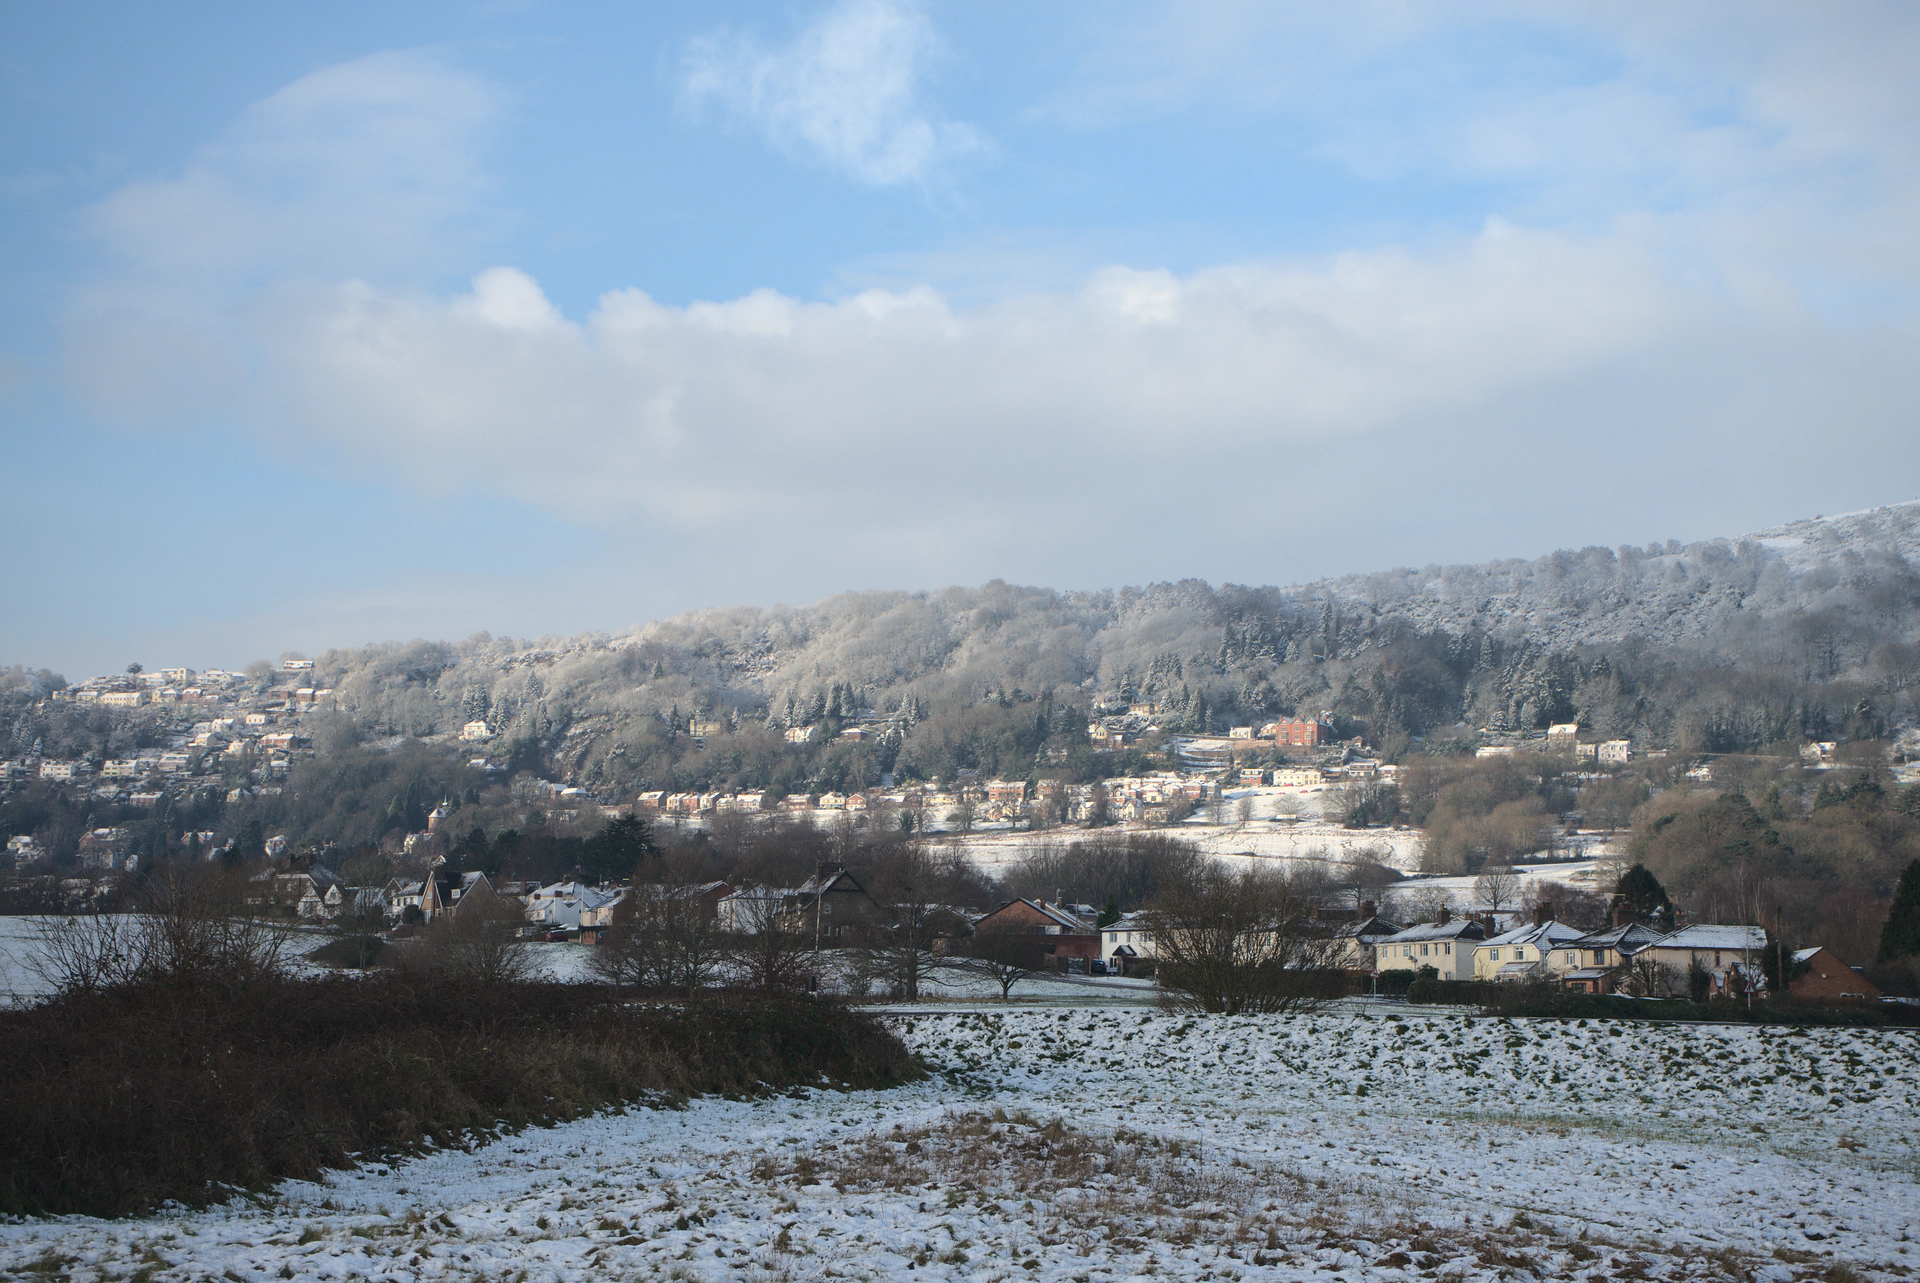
846, 91
1665, 355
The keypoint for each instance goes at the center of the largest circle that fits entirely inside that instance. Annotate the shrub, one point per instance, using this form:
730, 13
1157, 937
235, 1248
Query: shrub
115, 1100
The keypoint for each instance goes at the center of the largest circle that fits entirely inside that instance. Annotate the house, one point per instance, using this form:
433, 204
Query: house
476, 731
1828, 979
827, 906
1007, 791
1445, 944
1067, 934
1296, 732
1563, 735
1525, 952
1597, 962
1360, 939
800, 734
749, 909
560, 906
105, 851
1726, 953
1614, 752
313, 892
1128, 944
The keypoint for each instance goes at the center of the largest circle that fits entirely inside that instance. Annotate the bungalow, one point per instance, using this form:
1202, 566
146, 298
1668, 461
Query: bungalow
1829, 979
1445, 944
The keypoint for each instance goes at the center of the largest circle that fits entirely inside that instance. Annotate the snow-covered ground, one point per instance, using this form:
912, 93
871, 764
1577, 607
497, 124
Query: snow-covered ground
1081, 1145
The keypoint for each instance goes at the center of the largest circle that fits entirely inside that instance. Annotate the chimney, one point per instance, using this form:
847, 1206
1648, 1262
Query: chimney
1623, 916
1542, 915
1367, 910
1059, 897
1446, 916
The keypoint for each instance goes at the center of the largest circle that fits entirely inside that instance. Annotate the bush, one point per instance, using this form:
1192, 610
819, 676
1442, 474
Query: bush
1547, 1000
1459, 993
115, 1100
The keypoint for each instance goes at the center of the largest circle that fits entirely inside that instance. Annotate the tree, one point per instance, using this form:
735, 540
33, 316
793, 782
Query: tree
901, 948
617, 850
1004, 956
1496, 886
1242, 943
480, 942
660, 938
1641, 893
1648, 978
769, 949
1900, 937
1109, 914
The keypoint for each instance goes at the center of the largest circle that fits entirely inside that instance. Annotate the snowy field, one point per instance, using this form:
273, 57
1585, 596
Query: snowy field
1080, 1145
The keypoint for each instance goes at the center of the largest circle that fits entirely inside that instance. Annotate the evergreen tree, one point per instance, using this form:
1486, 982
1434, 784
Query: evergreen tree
1900, 938
617, 849
1641, 892
1109, 913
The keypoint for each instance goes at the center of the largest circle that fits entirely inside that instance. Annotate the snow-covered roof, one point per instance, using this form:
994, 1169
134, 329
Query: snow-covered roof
1706, 936
1457, 929
1547, 934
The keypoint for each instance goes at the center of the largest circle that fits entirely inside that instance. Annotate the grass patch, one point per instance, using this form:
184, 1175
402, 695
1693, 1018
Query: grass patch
115, 1101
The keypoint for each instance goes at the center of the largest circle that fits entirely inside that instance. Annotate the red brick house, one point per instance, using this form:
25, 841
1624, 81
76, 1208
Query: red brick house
1066, 935
1828, 979
1298, 732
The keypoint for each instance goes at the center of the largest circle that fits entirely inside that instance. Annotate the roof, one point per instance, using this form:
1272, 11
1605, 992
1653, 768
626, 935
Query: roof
1519, 968
1374, 926
1628, 939
1715, 937
1590, 973
1457, 929
1801, 955
1549, 934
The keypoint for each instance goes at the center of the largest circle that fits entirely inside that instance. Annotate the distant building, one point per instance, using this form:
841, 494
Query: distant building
1614, 752
1294, 732
475, 730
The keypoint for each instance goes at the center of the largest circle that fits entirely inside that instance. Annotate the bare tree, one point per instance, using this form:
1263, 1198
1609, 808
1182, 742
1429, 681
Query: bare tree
1005, 957
1497, 886
1646, 977
661, 938
480, 942
189, 924
1243, 811
768, 948
1242, 942
900, 948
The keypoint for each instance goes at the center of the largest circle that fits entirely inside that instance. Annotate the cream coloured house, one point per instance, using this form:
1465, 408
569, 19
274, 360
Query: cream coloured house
1445, 944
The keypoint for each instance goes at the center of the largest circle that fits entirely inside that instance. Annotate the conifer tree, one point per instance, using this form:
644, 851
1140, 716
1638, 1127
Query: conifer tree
1900, 938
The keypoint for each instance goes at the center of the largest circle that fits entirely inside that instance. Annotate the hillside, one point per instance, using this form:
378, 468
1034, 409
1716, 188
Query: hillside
1809, 628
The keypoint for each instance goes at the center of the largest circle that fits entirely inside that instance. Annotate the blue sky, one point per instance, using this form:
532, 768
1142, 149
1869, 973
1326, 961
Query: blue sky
323, 327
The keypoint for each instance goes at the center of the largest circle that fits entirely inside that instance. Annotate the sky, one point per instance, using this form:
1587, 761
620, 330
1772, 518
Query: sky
328, 325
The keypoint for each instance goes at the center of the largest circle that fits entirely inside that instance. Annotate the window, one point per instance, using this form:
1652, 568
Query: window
1423, 951
1519, 955
1493, 954
1448, 949
1568, 958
